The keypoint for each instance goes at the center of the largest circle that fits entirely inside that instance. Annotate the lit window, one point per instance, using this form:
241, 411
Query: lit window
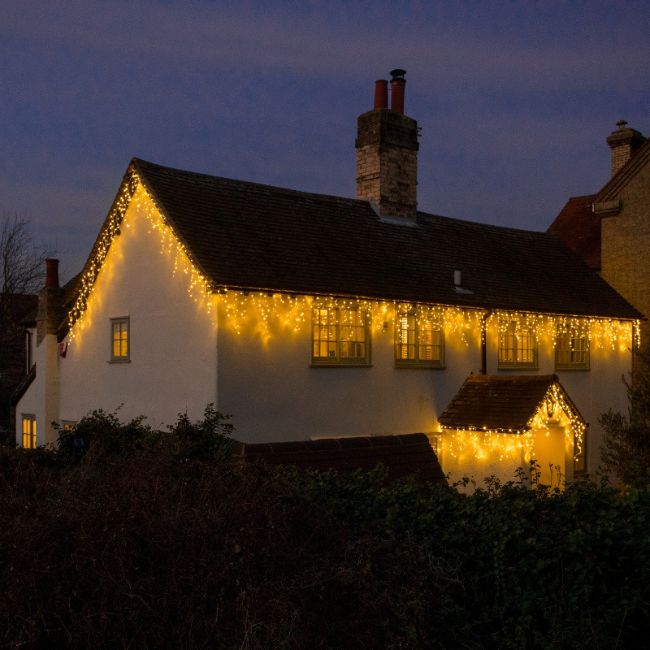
120, 345
419, 341
517, 346
29, 431
341, 336
571, 351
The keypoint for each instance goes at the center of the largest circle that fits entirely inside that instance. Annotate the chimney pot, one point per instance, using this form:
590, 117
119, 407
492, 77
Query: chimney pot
397, 84
52, 273
457, 278
381, 93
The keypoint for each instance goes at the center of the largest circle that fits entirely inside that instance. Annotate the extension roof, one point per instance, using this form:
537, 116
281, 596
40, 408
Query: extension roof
256, 237
402, 455
579, 228
499, 402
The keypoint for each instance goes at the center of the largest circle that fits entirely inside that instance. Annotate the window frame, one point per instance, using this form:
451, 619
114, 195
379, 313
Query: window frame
29, 418
336, 360
571, 364
121, 358
516, 365
417, 362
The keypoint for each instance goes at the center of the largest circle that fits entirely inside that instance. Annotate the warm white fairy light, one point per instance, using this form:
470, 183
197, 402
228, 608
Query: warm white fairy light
502, 444
294, 311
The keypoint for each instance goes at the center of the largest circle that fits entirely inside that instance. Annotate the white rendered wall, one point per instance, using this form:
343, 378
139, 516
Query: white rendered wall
173, 358
42, 398
271, 391
268, 386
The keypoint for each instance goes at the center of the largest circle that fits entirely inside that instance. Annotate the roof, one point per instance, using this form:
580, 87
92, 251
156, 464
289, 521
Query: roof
251, 236
402, 455
19, 305
579, 228
499, 402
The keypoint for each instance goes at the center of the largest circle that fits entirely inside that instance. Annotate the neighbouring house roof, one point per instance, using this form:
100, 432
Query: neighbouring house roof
577, 224
500, 402
20, 305
579, 228
402, 455
249, 236
22, 387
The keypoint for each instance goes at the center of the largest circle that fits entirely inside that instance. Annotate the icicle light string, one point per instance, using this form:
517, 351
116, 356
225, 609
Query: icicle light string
294, 311
552, 411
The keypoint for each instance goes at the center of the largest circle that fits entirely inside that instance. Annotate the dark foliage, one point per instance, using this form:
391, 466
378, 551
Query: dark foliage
149, 539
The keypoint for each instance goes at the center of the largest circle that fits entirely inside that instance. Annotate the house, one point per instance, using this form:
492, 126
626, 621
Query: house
307, 316
13, 362
610, 229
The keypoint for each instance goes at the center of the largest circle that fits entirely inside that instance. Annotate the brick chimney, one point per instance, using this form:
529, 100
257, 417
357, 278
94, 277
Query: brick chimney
50, 303
624, 143
387, 151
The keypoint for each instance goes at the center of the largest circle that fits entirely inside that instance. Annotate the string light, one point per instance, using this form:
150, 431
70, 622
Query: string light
259, 309
506, 444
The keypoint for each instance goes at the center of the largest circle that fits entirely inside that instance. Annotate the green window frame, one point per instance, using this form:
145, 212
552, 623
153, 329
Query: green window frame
571, 351
340, 336
29, 431
419, 341
517, 347
120, 340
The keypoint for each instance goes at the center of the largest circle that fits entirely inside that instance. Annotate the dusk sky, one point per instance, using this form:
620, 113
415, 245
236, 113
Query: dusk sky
514, 100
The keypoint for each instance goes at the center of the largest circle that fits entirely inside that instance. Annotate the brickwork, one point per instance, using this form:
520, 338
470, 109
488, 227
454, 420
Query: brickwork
624, 143
387, 149
626, 246
50, 312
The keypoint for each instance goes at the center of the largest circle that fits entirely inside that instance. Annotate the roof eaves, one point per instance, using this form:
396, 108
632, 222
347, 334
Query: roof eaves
64, 328
168, 219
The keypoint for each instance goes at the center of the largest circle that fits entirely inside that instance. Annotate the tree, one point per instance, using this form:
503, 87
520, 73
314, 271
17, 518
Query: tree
627, 438
21, 276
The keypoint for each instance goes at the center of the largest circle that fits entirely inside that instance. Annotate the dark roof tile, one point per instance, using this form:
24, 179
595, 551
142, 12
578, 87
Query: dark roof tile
499, 402
246, 235
402, 455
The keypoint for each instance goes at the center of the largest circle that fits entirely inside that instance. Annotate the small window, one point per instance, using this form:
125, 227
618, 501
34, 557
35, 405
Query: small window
419, 341
29, 431
517, 346
68, 425
120, 343
340, 336
571, 351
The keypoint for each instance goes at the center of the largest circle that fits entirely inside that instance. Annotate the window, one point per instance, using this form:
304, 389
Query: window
419, 341
571, 351
340, 336
29, 431
517, 346
120, 344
